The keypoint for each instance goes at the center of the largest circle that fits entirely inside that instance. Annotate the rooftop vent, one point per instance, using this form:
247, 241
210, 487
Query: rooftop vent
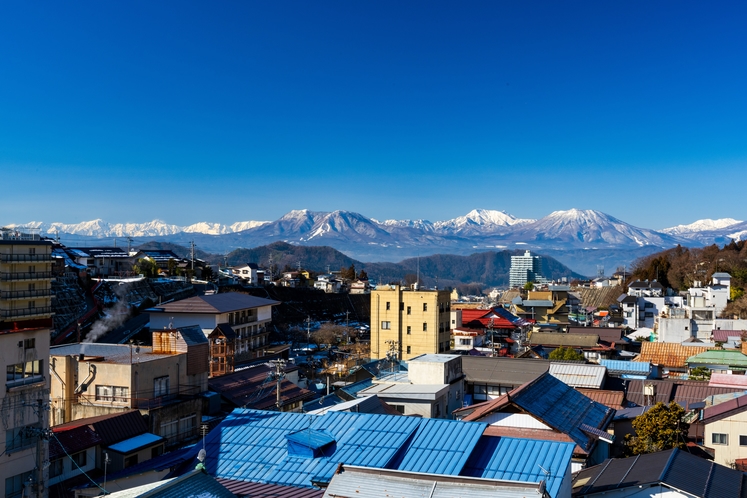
309, 443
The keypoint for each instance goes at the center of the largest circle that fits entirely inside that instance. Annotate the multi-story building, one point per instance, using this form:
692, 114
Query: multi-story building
165, 381
25, 331
412, 321
246, 316
526, 268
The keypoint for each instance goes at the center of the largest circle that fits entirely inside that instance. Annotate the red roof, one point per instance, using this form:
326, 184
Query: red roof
484, 317
73, 440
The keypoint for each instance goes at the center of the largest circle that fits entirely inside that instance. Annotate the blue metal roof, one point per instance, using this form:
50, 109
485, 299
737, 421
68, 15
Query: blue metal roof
136, 443
441, 447
638, 368
252, 445
526, 460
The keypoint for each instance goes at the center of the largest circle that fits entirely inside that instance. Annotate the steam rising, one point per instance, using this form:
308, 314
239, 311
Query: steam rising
113, 317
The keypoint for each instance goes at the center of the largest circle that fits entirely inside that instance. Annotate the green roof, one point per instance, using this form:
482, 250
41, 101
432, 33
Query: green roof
720, 357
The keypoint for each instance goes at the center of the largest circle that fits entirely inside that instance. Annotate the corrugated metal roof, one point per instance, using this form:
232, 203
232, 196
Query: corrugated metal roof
250, 445
503, 371
725, 409
263, 490
719, 357
575, 375
726, 335
406, 391
360, 482
521, 460
612, 399
192, 335
608, 334
621, 367
563, 339
136, 443
683, 392
254, 387
194, 484
668, 354
728, 380
111, 428
428, 453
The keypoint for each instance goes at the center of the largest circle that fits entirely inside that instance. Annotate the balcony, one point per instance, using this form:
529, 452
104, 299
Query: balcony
27, 294
25, 258
26, 312
20, 276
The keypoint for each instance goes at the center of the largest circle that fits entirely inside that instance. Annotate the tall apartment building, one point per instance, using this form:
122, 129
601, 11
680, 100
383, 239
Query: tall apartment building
526, 268
416, 319
25, 331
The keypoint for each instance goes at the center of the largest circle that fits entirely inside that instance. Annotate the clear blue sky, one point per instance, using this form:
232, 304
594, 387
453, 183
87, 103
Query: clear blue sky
234, 111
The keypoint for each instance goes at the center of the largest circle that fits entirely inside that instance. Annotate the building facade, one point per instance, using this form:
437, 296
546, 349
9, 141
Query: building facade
25, 331
526, 268
409, 321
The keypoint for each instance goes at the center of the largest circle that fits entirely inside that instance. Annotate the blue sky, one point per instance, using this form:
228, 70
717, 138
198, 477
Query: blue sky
235, 111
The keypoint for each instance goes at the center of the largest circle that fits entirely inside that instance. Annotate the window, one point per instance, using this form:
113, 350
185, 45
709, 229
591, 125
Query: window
649, 314
399, 408
401, 306
14, 485
32, 287
169, 429
408, 349
742, 440
24, 373
386, 325
20, 437
717, 438
29, 344
187, 425
157, 451
130, 461
409, 330
425, 306
425, 327
56, 467
409, 310
32, 250
388, 305
480, 389
161, 386
79, 458
465, 342
649, 305
112, 393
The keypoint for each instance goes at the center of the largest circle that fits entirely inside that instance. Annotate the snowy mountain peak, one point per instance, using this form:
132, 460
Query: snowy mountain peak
701, 226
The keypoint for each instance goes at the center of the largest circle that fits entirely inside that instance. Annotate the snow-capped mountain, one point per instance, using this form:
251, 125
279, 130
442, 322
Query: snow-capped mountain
479, 220
99, 228
587, 229
700, 226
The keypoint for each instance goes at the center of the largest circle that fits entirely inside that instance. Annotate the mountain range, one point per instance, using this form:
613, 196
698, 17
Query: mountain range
581, 239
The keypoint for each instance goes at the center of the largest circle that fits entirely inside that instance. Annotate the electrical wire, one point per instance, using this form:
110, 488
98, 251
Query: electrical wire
76, 463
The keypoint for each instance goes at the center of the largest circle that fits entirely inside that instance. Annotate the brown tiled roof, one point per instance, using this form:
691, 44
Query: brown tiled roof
668, 354
72, 440
613, 399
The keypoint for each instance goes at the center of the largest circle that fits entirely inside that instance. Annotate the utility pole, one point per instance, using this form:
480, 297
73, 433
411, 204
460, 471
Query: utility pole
279, 374
192, 246
40, 450
129, 245
308, 331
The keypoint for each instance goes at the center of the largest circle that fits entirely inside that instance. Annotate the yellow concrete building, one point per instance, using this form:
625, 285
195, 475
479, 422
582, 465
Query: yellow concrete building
416, 319
25, 330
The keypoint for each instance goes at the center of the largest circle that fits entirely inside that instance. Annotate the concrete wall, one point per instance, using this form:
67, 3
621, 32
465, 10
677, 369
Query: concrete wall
733, 427
71, 470
674, 329
18, 402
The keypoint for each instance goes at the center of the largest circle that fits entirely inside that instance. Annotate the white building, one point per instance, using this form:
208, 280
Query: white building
526, 268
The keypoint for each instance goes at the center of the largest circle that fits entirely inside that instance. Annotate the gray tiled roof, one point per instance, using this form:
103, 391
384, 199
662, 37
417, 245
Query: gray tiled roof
216, 303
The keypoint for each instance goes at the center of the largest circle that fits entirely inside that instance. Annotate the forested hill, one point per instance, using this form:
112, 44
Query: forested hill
484, 268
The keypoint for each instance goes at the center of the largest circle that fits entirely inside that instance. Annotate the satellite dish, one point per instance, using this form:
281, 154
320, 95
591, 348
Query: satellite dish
201, 455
